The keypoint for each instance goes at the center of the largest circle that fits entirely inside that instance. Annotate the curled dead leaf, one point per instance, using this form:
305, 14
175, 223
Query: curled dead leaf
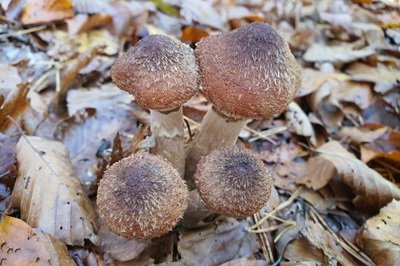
22, 245
380, 235
48, 193
372, 190
39, 11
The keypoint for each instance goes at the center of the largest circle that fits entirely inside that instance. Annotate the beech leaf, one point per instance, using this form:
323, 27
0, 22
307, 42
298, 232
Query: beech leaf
380, 235
373, 191
48, 193
22, 245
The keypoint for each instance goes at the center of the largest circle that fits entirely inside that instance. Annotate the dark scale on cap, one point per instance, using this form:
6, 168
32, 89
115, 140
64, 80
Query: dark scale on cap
249, 72
233, 182
141, 196
160, 72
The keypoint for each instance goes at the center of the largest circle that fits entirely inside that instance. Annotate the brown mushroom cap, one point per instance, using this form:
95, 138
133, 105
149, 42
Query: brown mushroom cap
249, 72
233, 182
141, 196
160, 72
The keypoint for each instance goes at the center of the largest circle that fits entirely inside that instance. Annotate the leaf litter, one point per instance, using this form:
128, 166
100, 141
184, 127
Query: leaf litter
334, 156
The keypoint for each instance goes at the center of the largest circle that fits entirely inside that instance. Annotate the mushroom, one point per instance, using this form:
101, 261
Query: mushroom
162, 74
142, 196
249, 73
233, 182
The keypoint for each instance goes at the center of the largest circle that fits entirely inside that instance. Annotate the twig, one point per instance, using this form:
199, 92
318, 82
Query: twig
22, 32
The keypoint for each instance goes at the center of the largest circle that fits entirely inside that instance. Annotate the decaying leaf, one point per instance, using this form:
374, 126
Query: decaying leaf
301, 252
385, 78
372, 190
118, 247
48, 193
107, 96
22, 245
9, 79
87, 134
316, 173
245, 262
380, 235
362, 134
343, 53
368, 154
15, 104
39, 11
226, 241
299, 123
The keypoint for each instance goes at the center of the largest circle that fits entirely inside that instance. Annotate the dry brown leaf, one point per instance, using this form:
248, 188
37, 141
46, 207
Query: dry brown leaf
313, 80
368, 154
40, 11
15, 105
68, 77
245, 262
215, 245
352, 92
385, 78
120, 248
342, 53
22, 245
365, 133
193, 34
301, 252
316, 173
372, 190
299, 123
380, 235
48, 193
87, 134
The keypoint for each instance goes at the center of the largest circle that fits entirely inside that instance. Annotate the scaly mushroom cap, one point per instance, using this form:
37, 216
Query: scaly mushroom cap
160, 72
249, 72
233, 182
141, 196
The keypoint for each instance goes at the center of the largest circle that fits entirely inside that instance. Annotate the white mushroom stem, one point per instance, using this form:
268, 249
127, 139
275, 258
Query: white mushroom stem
214, 132
168, 132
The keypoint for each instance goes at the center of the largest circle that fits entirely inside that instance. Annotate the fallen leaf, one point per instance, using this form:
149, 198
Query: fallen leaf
83, 22
343, 53
120, 248
14, 106
385, 78
299, 123
380, 235
316, 173
193, 34
48, 193
372, 190
368, 154
301, 252
39, 11
226, 241
87, 134
352, 92
106, 96
363, 134
202, 12
9, 79
22, 245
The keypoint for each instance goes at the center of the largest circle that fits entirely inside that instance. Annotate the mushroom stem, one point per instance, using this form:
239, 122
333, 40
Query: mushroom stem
214, 132
168, 131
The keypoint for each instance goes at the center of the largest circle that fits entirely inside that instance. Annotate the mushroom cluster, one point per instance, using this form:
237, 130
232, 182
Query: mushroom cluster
248, 73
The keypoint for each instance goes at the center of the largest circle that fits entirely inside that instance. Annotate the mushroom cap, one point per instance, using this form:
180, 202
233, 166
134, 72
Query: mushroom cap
160, 72
141, 196
249, 73
233, 182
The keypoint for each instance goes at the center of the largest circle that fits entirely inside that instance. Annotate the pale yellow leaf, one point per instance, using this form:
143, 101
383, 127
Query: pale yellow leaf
48, 193
372, 190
